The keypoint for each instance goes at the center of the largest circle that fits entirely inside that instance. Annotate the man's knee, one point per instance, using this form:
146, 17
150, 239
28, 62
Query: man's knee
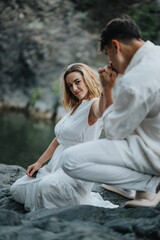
68, 160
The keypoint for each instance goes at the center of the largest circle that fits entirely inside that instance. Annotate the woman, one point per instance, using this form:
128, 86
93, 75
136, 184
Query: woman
52, 187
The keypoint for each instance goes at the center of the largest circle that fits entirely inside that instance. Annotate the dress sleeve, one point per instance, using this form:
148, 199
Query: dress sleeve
127, 113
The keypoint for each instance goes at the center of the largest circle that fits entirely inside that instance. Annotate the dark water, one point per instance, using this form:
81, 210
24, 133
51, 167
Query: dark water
23, 140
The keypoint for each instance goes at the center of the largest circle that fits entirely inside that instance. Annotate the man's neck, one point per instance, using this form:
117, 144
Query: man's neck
130, 49
134, 46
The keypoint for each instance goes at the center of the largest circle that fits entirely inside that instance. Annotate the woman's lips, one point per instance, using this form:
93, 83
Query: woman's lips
77, 93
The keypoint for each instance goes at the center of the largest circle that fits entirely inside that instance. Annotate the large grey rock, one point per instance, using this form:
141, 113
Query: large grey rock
38, 39
71, 223
8, 175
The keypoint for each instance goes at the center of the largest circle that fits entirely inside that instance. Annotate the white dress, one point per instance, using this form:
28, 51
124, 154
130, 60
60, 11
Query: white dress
52, 187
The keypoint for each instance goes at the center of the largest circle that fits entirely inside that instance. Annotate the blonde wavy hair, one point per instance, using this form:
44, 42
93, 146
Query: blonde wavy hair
90, 78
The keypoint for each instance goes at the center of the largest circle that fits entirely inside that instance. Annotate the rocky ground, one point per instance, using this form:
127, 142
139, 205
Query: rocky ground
73, 223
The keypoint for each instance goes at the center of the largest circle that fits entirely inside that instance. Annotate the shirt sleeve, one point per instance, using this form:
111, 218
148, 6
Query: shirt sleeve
127, 113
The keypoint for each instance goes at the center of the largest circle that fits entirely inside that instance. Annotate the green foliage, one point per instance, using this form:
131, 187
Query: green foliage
56, 87
146, 17
125, 214
99, 12
36, 93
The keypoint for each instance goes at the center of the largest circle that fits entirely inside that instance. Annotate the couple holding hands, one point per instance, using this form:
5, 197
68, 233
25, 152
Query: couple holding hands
127, 161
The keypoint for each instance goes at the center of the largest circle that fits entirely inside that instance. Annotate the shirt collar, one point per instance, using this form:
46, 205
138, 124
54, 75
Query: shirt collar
139, 55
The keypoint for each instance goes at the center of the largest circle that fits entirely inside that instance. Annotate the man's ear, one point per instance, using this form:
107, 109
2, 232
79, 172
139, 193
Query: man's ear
116, 44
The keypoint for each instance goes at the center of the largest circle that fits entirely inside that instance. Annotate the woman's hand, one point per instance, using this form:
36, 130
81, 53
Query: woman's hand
43, 158
32, 168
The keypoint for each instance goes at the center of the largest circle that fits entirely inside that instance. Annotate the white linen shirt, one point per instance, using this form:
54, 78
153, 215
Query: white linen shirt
136, 109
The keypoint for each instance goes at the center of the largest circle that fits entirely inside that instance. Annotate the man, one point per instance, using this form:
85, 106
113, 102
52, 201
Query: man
129, 156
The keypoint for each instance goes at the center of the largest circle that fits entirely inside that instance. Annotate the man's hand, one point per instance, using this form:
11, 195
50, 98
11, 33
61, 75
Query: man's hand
107, 76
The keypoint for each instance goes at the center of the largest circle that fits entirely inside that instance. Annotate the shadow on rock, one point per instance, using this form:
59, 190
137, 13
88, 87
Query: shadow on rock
78, 222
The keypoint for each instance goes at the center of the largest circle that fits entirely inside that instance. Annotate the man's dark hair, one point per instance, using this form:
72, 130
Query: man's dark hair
123, 29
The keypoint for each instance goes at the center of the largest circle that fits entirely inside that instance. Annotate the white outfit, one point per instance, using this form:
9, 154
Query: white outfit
52, 187
129, 157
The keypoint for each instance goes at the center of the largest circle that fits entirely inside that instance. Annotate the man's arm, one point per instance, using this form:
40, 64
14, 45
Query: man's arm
129, 111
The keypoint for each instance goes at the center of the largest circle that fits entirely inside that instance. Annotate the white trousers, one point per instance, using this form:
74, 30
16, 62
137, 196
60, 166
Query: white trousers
100, 161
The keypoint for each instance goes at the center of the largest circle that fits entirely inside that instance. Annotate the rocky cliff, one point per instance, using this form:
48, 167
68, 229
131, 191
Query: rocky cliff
72, 223
39, 38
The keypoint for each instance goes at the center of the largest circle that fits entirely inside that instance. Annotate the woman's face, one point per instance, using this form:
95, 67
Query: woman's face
77, 86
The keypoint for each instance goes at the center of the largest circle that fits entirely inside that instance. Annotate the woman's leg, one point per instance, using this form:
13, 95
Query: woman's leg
58, 189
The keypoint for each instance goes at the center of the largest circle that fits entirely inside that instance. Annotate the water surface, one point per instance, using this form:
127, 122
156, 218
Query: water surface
22, 139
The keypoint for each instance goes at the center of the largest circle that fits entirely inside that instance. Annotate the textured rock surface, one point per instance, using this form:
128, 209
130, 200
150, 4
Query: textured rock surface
8, 175
79, 222
38, 39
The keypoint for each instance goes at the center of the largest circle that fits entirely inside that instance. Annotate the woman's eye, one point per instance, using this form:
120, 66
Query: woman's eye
70, 86
77, 82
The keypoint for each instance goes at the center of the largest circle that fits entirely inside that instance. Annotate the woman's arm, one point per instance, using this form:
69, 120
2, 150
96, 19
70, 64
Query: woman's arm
108, 77
44, 157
